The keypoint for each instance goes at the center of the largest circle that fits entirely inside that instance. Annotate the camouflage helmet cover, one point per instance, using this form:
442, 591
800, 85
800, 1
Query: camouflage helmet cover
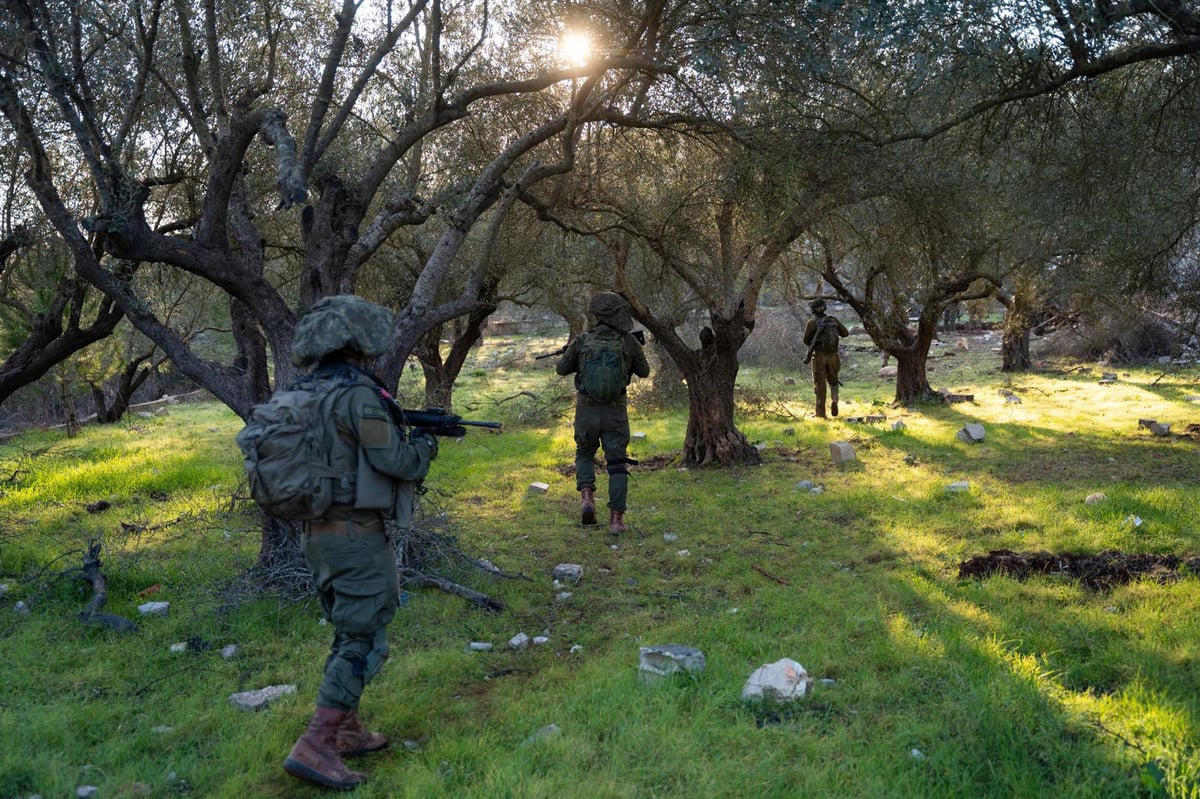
339, 323
817, 306
612, 309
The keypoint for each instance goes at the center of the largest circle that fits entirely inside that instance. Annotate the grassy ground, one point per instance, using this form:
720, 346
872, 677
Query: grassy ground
934, 686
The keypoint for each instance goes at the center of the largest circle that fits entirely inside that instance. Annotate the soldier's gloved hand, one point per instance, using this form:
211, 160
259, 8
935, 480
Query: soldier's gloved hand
427, 441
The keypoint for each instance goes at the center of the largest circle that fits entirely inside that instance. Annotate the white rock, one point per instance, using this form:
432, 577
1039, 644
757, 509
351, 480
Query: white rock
538, 640
1094, 497
154, 608
670, 538
568, 571
179, 647
576, 649
841, 452
256, 700
230, 651
961, 485
784, 680
21, 608
539, 488
518, 642
564, 595
87, 791
479, 646
657, 662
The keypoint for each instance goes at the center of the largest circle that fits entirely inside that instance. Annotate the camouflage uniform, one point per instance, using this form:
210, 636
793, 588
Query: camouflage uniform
825, 365
352, 561
604, 424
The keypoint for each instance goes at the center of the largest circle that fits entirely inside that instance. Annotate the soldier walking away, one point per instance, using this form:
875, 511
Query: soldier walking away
352, 561
604, 360
822, 334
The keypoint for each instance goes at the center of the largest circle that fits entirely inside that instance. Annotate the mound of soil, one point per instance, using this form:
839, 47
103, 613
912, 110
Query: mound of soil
1099, 572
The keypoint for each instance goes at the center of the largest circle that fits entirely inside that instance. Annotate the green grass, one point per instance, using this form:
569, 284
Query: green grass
941, 687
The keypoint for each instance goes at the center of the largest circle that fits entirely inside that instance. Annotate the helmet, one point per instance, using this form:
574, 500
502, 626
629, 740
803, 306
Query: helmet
612, 309
817, 307
342, 322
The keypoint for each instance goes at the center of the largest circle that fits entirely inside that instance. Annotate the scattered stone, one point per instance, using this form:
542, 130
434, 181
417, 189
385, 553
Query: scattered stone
872, 419
257, 700
818, 490
542, 734
917, 754
1160, 429
910, 459
828, 682
154, 608
408, 743
670, 538
228, 652
961, 485
1133, 521
898, 425
1094, 497
480, 646
949, 397
888, 371
1109, 376
179, 647
21, 608
1013, 399
576, 649
1146, 423
87, 792
783, 681
162, 729
961, 345
1111, 609
659, 662
518, 642
3, 590
804, 485
841, 452
539, 488
971, 433
789, 381
564, 595
538, 640
568, 571
683, 553
638, 437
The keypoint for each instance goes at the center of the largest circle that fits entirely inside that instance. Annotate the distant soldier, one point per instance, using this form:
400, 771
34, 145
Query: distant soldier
822, 334
353, 564
604, 360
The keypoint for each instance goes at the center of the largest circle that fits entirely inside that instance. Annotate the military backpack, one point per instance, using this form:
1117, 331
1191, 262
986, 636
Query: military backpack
602, 372
825, 341
287, 450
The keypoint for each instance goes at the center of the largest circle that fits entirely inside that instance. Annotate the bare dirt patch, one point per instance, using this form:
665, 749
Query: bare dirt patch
1099, 572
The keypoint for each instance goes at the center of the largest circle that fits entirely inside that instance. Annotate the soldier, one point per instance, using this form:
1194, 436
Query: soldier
603, 359
352, 561
821, 334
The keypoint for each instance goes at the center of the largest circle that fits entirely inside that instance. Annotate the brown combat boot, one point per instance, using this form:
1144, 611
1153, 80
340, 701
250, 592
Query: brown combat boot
833, 408
353, 739
616, 522
314, 757
587, 496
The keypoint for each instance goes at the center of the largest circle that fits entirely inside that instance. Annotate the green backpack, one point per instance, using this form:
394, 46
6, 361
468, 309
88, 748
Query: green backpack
826, 339
602, 374
288, 456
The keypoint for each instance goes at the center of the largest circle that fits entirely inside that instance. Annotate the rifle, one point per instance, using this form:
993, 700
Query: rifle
640, 335
440, 423
434, 421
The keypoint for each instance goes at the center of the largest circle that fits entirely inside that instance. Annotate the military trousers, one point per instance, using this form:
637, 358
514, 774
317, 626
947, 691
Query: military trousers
359, 590
825, 368
602, 424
